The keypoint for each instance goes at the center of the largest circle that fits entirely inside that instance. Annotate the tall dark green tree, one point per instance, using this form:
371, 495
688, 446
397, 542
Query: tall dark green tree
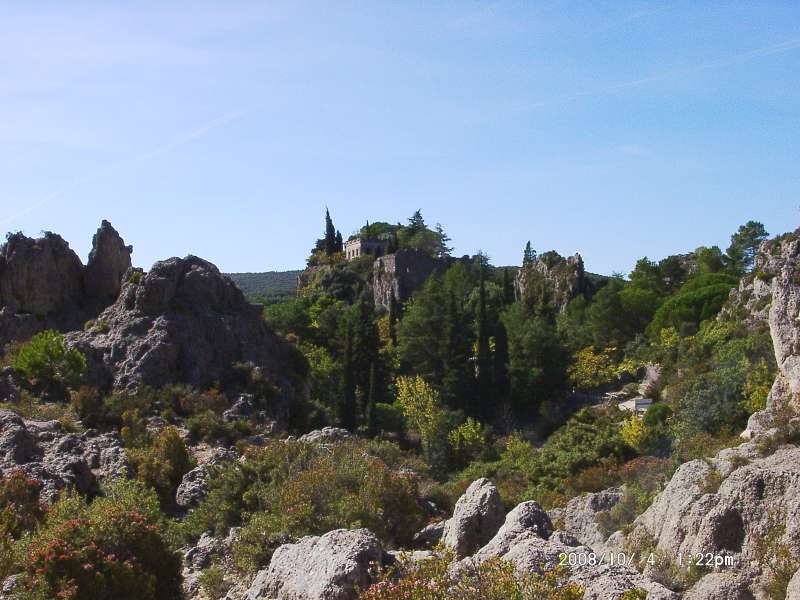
330, 234
483, 360
416, 224
366, 343
744, 245
393, 320
457, 379
508, 288
443, 249
339, 244
500, 364
347, 407
529, 255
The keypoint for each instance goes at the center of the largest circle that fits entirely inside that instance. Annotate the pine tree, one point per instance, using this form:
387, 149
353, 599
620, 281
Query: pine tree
416, 223
483, 359
339, 245
330, 234
443, 249
529, 255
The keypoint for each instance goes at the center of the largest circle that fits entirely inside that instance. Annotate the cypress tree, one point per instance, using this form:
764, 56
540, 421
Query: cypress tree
457, 388
508, 289
347, 409
393, 320
500, 363
370, 412
330, 234
339, 245
528, 255
366, 343
483, 359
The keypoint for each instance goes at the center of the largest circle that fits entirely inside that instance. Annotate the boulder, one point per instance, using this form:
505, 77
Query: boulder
193, 488
329, 567
429, 536
326, 435
525, 520
578, 517
17, 445
793, 590
477, 517
721, 586
109, 260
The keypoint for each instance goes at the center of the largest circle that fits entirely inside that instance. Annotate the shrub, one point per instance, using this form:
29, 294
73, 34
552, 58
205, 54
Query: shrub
592, 369
494, 579
107, 549
48, 365
163, 464
467, 441
389, 418
424, 411
289, 489
212, 583
20, 512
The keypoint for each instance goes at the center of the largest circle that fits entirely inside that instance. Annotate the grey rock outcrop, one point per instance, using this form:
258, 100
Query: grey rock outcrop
429, 536
477, 516
793, 590
56, 458
721, 586
183, 322
565, 277
39, 276
192, 488
44, 285
579, 516
524, 521
326, 435
328, 567
108, 262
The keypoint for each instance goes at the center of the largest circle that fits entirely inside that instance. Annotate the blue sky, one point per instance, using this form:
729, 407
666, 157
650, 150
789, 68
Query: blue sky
619, 129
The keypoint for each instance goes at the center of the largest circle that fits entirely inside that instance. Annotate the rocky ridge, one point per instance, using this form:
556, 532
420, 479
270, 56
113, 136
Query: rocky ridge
43, 283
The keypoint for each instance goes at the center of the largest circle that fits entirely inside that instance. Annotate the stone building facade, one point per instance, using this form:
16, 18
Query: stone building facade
358, 246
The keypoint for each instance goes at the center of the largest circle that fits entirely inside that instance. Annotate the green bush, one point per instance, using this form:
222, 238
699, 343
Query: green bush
108, 549
48, 366
163, 464
20, 513
699, 299
389, 418
289, 489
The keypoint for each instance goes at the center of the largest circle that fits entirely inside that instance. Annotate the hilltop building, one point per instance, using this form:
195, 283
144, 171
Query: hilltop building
360, 246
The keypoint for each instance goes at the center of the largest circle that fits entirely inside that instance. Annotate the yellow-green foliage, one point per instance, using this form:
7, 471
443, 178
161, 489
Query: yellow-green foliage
592, 369
423, 409
467, 441
633, 431
757, 386
494, 579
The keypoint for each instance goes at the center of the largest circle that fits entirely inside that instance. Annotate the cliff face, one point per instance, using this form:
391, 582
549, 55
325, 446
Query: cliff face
754, 514
551, 273
43, 283
401, 274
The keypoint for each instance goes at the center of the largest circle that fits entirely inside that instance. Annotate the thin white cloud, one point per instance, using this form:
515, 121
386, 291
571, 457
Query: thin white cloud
190, 135
781, 48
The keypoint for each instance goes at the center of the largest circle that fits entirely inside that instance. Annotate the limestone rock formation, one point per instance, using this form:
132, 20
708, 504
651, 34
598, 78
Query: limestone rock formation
57, 458
328, 567
525, 520
563, 278
578, 517
44, 285
39, 276
326, 435
183, 322
108, 262
477, 516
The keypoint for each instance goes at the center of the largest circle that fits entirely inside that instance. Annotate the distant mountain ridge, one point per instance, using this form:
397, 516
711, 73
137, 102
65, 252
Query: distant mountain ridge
268, 286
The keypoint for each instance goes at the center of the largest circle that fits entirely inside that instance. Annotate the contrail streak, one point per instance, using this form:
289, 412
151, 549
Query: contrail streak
786, 46
99, 174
